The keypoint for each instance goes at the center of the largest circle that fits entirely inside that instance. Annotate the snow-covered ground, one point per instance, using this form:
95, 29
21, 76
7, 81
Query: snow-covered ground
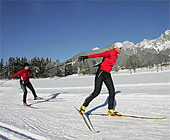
144, 94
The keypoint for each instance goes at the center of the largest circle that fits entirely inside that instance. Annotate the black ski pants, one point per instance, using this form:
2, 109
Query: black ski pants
23, 87
102, 76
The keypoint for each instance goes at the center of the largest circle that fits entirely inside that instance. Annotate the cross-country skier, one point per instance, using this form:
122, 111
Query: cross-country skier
25, 82
103, 75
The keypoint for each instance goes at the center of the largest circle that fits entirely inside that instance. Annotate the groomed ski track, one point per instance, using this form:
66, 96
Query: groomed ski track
18, 132
145, 94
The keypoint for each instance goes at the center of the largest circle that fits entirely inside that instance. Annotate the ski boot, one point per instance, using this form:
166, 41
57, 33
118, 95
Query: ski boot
38, 98
82, 110
25, 104
113, 112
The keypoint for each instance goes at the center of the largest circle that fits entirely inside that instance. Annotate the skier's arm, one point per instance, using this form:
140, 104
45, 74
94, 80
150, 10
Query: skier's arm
104, 54
16, 74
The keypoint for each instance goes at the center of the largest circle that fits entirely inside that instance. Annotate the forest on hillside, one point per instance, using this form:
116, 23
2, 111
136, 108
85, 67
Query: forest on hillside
48, 68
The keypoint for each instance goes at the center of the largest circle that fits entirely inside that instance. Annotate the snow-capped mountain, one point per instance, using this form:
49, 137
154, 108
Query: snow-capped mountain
147, 50
160, 44
95, 48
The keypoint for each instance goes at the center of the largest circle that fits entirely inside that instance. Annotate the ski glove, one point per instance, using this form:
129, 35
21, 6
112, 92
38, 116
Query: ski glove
82, 58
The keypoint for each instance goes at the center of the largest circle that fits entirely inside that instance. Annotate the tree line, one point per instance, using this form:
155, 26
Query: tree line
48, 68
148, 60
44, 66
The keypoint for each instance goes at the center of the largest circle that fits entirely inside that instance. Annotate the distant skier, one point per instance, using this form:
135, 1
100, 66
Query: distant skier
103, 75
25, 82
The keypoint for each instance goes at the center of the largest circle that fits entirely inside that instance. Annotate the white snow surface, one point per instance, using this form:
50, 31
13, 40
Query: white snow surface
143, 94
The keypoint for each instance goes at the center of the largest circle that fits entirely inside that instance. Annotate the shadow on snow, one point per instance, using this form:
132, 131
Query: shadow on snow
100, 106
53, 96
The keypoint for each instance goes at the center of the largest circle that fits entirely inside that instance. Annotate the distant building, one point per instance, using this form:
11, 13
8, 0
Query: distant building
123, 67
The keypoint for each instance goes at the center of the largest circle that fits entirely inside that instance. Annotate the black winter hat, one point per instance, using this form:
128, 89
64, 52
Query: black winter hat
26, 64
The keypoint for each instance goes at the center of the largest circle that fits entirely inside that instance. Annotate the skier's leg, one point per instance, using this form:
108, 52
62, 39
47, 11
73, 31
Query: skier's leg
23, 87
29, 85
98, 85
109, 84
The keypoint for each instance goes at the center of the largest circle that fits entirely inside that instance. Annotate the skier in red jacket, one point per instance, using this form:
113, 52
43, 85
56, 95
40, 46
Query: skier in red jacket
25, 82
103, 75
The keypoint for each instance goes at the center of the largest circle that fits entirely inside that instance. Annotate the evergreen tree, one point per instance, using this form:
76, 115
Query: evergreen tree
10, 66
17, 65
23, 60
58, 68
68, 68
2, 69
50, 68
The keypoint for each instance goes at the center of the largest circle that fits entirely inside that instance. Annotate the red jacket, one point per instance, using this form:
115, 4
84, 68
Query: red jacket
109, 61
25, 75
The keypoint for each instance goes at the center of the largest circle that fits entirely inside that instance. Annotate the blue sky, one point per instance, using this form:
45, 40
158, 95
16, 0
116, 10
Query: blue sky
62, 29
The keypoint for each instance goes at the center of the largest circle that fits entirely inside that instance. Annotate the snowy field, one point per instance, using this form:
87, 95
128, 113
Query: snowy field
145, 93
